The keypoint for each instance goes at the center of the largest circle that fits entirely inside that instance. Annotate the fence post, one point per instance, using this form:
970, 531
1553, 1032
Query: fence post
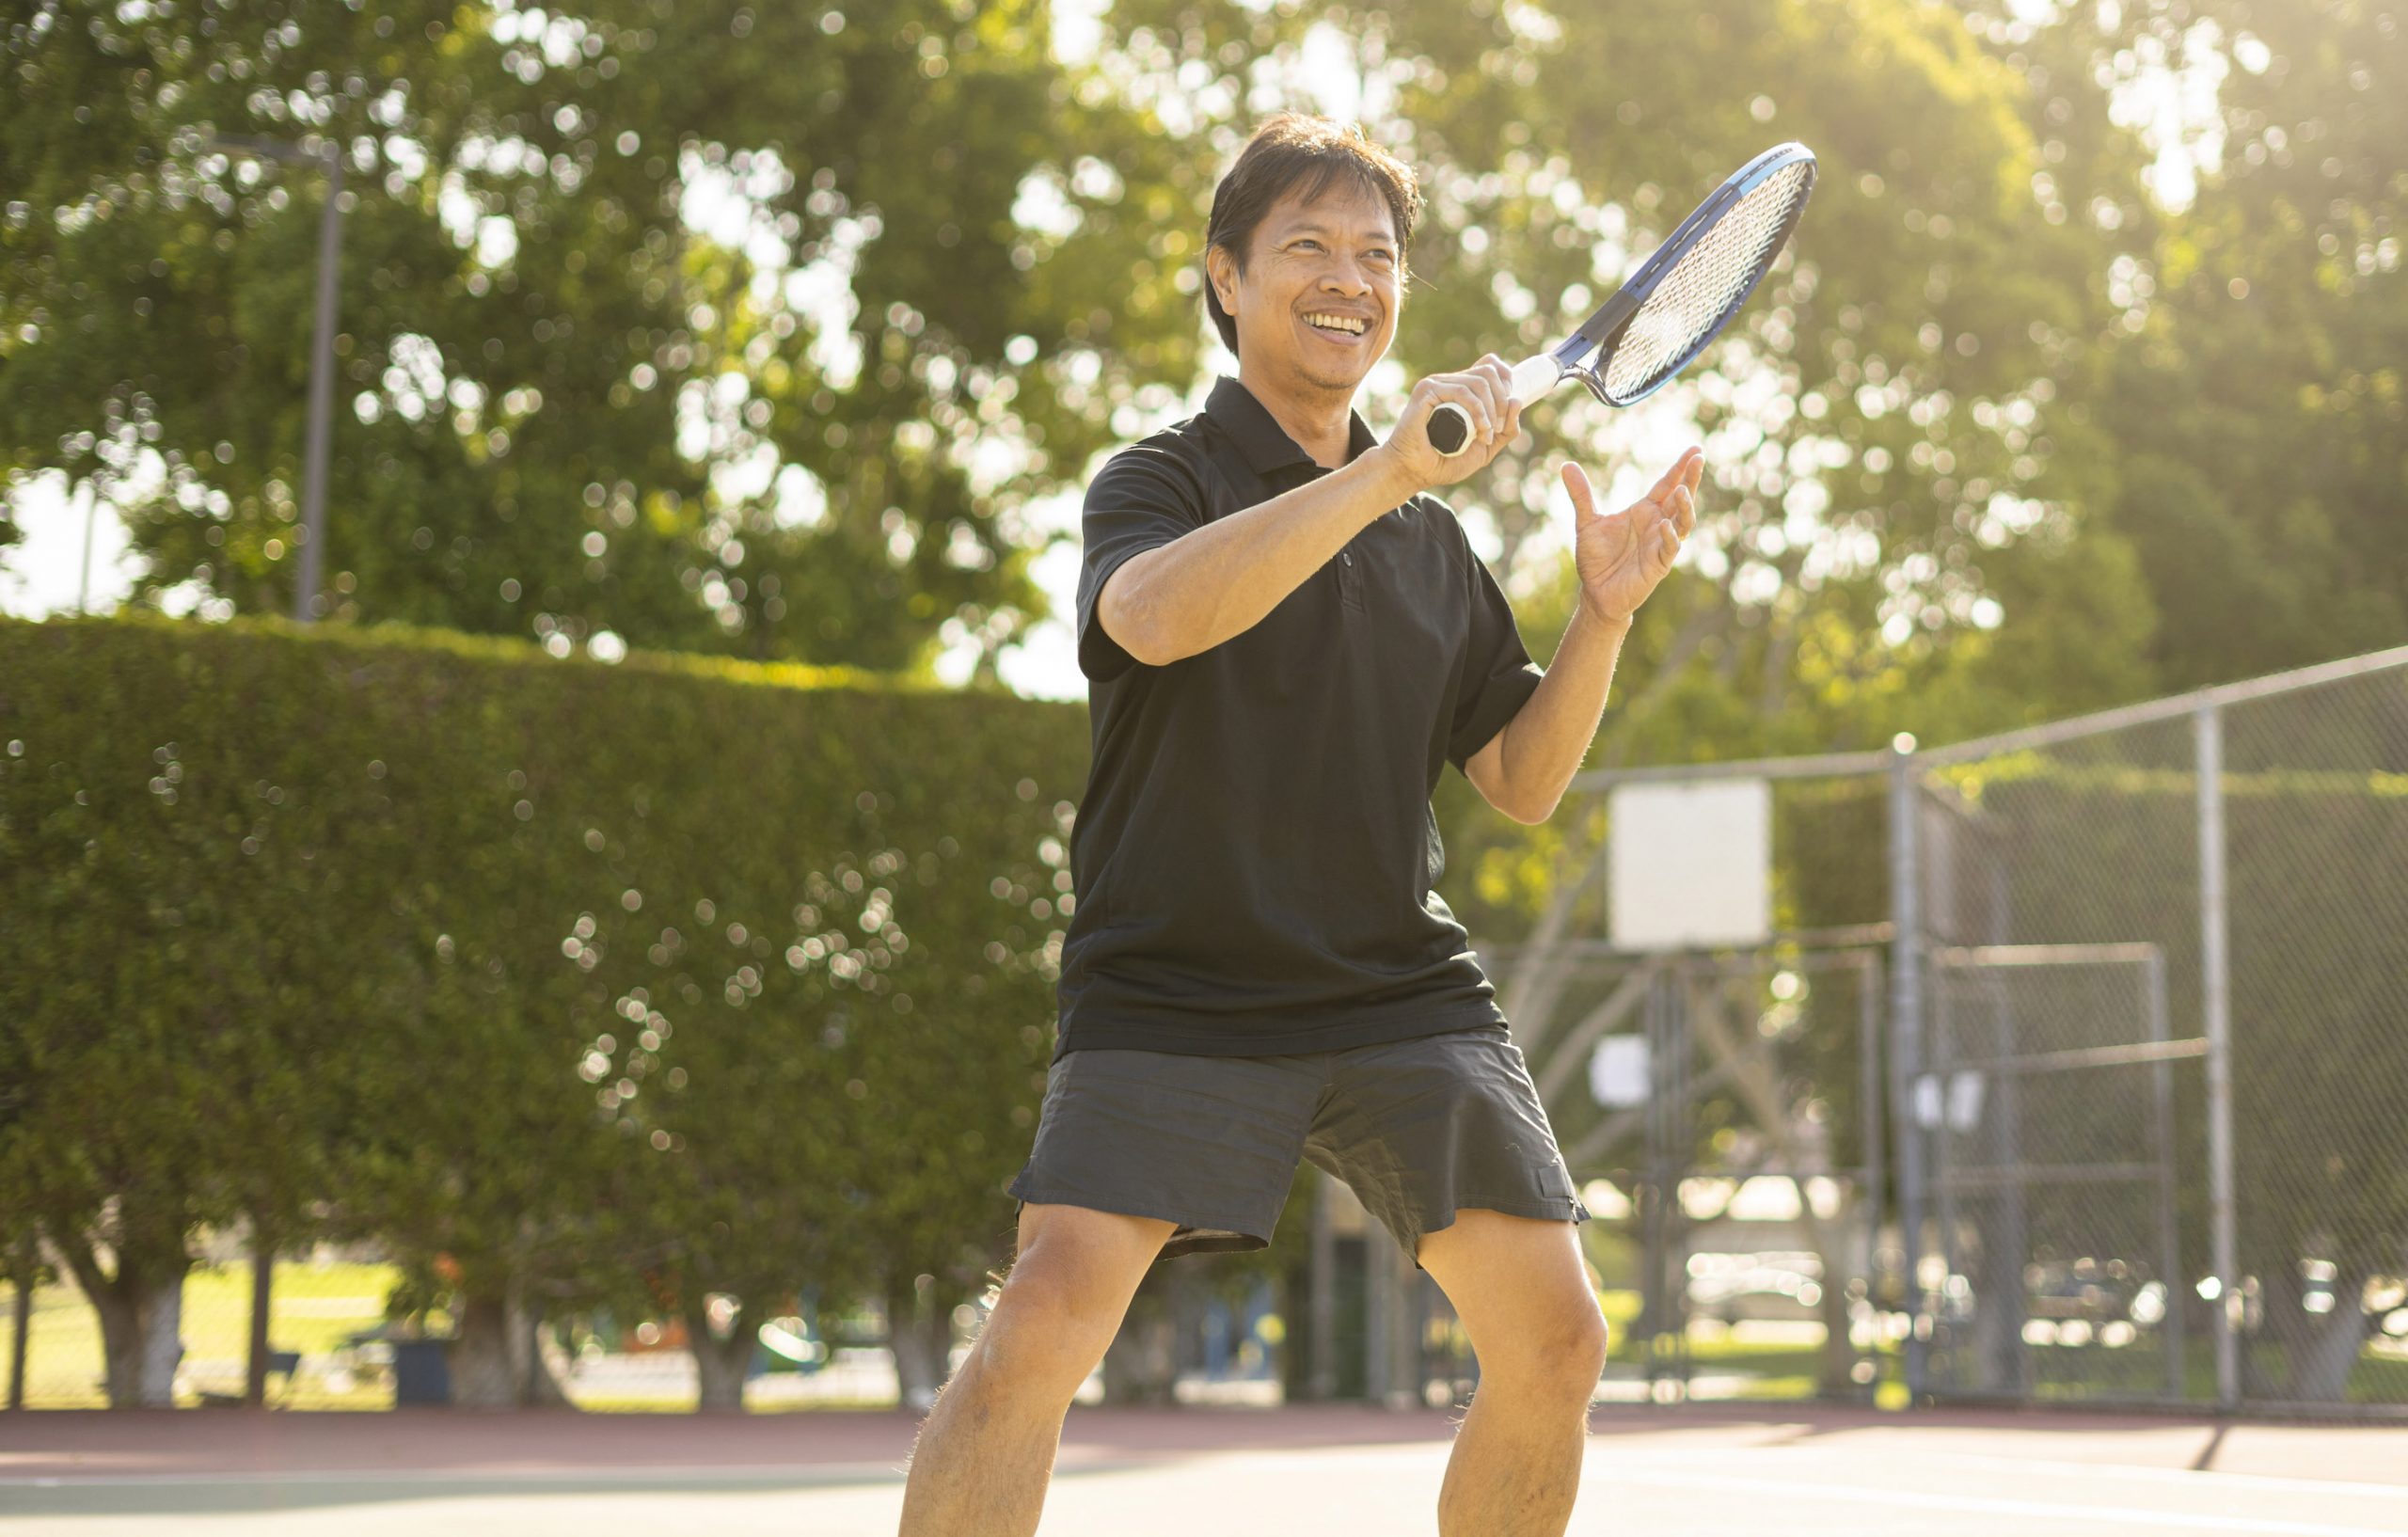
1906, 1044
2216, 992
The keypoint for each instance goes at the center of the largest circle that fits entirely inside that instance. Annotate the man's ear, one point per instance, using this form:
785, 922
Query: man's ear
1221, 269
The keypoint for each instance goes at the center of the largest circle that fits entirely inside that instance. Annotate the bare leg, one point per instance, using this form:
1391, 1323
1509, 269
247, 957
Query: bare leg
984, 1453
983, 1456
1515, 1469
1520, 1287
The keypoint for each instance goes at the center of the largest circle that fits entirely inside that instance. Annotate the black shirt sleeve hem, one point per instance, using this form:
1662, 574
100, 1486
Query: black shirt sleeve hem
1499, 703
1102, 658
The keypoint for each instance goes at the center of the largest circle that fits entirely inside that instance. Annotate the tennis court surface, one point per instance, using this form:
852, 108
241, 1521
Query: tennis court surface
1698, 1471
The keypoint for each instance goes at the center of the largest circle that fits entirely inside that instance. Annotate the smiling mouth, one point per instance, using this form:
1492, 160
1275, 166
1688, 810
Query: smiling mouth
1337, 325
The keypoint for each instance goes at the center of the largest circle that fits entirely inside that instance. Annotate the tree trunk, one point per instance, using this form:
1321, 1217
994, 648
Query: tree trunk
921, 1336
163, 1344
263, 1292
479, 1360
140, 1310
23, 1275
718, 1364
495, 1361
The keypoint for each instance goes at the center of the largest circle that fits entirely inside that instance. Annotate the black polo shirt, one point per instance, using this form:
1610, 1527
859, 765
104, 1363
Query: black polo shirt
1253, 855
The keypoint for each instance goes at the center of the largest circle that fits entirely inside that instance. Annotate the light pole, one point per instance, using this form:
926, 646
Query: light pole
305, 596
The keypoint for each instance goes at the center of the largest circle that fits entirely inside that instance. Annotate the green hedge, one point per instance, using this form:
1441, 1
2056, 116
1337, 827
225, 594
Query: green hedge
374, 930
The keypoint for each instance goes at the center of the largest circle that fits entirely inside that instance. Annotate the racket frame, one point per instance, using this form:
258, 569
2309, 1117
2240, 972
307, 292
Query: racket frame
1603, 330
1578, 355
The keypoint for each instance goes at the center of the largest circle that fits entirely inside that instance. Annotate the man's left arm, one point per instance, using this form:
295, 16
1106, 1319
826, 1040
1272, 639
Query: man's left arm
1523, 769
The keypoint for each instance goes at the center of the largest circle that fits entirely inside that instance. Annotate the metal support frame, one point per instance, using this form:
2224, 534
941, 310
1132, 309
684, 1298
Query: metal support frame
2010, 1173
1905, 1051
307, 601
2217, 1005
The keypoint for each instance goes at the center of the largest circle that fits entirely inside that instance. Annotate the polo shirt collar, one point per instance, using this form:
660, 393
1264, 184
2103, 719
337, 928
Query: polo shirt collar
1266, 444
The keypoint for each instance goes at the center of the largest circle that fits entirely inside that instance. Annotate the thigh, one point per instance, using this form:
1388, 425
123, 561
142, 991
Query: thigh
1422, 1129
1209, 1144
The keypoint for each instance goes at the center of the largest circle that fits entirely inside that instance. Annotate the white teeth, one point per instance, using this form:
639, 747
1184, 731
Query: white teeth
1337, 323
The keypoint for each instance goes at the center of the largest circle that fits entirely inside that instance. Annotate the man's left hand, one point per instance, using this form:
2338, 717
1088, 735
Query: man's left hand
1621, 558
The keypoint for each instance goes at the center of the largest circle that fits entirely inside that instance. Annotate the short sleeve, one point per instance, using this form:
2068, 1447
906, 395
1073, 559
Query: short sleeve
1142, 498
1497, 677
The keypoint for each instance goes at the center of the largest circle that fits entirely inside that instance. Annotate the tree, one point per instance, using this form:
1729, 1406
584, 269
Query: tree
174, 1038
2260, 404
799, 430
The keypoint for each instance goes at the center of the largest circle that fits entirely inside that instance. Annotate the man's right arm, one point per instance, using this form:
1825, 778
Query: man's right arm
1219, 581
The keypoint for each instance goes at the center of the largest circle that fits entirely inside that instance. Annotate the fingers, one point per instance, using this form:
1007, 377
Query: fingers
1684, 470
1491, 381
1493, 377
1584, 497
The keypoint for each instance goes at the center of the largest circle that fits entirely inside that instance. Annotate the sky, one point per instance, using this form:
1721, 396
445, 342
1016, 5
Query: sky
76, 554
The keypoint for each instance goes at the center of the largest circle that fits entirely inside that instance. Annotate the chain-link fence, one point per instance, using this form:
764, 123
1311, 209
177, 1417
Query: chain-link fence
2139, 1018
2160, 1070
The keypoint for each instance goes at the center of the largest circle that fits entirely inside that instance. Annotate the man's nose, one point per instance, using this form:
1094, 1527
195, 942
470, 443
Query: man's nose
1345, 275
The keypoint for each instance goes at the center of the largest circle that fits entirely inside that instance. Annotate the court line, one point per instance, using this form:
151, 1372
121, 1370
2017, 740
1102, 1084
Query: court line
1991, 1505
805, 1473
2290, 1483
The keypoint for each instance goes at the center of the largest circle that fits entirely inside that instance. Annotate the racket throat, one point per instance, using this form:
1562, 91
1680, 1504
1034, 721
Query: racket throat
1536, 376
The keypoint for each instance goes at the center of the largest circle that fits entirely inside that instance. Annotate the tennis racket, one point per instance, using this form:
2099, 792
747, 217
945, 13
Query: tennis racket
1679, 300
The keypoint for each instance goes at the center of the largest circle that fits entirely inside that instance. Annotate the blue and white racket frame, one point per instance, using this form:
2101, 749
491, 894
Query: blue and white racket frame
1577, 356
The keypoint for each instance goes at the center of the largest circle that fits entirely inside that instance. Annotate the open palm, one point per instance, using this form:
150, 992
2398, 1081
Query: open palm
1621, 557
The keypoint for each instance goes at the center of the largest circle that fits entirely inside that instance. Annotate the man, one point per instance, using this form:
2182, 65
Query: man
1286, 640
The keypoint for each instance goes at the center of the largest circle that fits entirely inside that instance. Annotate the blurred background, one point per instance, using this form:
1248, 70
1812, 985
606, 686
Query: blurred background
539, 879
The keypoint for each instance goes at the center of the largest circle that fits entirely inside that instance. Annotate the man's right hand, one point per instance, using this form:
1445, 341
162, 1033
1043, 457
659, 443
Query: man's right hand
1480, 391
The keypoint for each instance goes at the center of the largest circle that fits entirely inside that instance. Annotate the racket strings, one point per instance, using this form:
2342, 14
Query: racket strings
1693, 299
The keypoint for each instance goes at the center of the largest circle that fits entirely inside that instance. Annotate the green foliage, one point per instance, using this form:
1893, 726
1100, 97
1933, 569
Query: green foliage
599, 983
2262, 408
799, 430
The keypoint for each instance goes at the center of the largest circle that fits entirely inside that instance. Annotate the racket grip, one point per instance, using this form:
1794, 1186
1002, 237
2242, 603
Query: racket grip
1450, 429
1449, 425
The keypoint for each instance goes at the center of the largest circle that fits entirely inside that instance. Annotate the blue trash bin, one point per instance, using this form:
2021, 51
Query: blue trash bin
422, 1371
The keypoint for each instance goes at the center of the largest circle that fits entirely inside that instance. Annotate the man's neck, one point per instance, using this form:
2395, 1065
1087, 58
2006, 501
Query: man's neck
1319, 419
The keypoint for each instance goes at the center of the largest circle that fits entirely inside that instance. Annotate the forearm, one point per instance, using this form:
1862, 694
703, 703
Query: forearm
1220, 580
1543, 746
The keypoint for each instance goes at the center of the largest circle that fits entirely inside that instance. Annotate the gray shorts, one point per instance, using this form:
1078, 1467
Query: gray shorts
1417, 1128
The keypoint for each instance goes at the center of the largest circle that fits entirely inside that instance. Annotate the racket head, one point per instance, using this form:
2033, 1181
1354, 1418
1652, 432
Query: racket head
1685, 292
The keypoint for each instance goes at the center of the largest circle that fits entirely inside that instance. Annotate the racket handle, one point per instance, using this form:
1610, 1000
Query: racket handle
1449, 426
1450, 429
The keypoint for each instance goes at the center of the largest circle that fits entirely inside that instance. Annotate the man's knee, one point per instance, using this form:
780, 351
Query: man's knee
1058, 1309
1565, 1347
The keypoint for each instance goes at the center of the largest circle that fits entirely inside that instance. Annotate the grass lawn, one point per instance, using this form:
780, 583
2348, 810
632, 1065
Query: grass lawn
314, 1308
317, 1307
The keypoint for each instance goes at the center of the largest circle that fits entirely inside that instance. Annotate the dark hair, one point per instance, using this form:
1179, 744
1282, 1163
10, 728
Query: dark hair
1303, 154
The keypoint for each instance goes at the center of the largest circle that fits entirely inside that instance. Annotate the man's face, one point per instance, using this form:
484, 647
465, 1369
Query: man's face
1317, 299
